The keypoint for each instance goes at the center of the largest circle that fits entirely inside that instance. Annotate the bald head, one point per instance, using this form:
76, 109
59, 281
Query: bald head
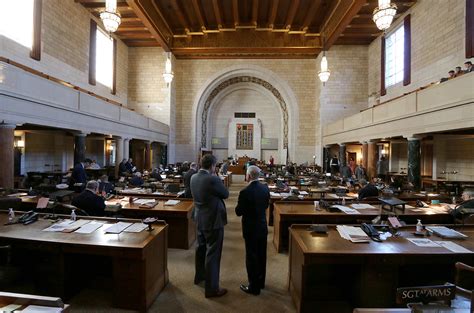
253, 172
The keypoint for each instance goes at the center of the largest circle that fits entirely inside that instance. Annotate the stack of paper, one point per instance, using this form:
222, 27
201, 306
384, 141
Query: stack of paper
172, 202
362, 206
144, 201
352, 233
304, 193
41, 309
117, 228
274, 194
66, 226
136, 228
89, 228
346, 209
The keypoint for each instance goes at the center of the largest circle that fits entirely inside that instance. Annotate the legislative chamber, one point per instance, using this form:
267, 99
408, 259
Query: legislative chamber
237, 156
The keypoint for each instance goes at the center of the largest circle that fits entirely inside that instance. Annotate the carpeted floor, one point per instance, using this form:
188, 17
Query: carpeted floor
181, 295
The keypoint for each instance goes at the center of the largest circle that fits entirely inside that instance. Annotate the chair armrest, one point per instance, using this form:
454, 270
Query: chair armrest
463, 267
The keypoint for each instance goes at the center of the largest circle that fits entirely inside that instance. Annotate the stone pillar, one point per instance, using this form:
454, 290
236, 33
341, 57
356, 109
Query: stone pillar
147, 163
414, 162
118, 154
7, 136
365, 154
79, 147
342, 154
372, 159
326, 159
126, 148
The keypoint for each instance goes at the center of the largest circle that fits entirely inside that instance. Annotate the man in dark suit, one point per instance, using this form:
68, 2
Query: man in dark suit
89, 201
79, 175
187, 180
252, 205
211, 217
367, 190
123, 167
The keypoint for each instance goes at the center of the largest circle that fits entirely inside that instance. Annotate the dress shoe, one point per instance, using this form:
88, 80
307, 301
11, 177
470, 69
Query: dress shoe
246, 289
216, 294
198, 281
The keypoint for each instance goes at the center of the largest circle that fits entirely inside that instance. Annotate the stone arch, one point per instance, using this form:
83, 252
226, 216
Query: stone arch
257, 76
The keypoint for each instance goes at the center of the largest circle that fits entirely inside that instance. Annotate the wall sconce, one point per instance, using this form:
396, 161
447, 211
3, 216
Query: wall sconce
20, 144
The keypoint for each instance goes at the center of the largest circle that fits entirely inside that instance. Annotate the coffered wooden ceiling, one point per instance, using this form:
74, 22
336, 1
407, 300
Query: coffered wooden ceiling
245, 28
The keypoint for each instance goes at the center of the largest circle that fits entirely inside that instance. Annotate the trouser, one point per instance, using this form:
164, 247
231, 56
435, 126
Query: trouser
256, 261
208, 257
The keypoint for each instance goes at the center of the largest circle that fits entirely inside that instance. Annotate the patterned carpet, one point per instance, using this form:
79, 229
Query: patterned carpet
181, 295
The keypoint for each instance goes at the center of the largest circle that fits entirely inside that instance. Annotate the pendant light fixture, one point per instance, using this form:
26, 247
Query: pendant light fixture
110, 17
383, 14
324, 73
168, 74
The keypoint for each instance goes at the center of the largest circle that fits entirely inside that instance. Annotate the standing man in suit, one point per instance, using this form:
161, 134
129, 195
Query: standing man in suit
211, 217
187, 180
253, 202
79, 175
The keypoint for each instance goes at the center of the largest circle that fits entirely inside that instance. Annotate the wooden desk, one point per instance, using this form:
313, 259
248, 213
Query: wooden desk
138, 261
182, 228
331, 274
8, 298
143, 194
290, 213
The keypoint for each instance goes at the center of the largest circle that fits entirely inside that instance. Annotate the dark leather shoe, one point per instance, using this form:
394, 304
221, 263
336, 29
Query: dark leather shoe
216, 294
246, 289
198, 281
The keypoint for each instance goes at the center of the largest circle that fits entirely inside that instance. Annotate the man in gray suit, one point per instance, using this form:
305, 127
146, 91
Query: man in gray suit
211, 217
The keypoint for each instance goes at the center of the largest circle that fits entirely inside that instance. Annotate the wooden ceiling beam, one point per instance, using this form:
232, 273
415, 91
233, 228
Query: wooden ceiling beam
273, 13
217, 13
255, 12
235, 11
291, 13
362, 26
132, 28
134, 35
310, 14
141, 43
200, 16
153, 20
179, 13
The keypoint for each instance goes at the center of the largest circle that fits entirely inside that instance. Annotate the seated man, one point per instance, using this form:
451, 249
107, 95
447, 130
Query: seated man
104, 185
130, 167
468, 66
94, 165
346, 171
466, 207
137, 180
89, 201
367, 190
123, 167
79, 175
156, 174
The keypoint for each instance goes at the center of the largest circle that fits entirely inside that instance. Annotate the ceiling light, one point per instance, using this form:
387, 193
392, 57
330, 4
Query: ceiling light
110, 17
383, 14
168, 74
324, 73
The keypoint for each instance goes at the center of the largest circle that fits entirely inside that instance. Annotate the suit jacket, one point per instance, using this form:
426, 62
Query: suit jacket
368, 191
79, 174
209, 208
123, 168
187, 183
252, 206
88, 201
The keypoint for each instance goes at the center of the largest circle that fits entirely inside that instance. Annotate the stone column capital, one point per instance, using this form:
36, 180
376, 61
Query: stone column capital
411, 137
80, 133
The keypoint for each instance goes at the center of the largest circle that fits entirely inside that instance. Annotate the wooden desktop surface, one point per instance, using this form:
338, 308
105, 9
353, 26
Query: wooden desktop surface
331, 274
289, 213
182, 228
139, 260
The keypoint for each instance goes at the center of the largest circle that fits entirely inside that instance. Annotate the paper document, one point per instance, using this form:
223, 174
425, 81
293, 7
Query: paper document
158, 193
41, 309
172, 202
454, 247
136, 228
346, 209
423, 242
352, 233
274, 194
10, 308
20, 194
89, 228
362, 206
285, 194
181, 192
117, 228
144, 201
66, 225
304, 193
294, 188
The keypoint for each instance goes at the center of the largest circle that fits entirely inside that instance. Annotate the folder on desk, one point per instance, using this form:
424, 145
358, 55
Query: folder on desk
117, 228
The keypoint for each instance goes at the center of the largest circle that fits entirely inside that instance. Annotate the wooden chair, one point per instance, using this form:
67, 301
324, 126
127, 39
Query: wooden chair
464, 282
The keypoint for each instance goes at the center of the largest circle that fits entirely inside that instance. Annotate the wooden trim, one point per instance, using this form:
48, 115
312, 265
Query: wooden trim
114, 77
92, 53
383, 91
469, 29
37, 16
57, 80
407, 50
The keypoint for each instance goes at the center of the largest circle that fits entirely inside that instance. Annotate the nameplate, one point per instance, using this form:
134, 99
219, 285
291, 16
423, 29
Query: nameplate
425, 294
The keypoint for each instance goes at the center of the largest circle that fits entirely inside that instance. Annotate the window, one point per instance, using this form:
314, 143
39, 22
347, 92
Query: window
394, 57
244, 115
16, 21
104, 58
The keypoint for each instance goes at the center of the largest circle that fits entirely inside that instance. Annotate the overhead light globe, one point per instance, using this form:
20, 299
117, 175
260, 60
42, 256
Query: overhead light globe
110, 17
383, 14
168, 74
324, 73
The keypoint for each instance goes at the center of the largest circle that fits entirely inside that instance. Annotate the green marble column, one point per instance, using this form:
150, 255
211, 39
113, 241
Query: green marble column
342, 154
414, 162
79, 147
326, 159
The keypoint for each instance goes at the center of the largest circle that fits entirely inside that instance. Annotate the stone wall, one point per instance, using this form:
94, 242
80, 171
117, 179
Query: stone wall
65, 48
438, 45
